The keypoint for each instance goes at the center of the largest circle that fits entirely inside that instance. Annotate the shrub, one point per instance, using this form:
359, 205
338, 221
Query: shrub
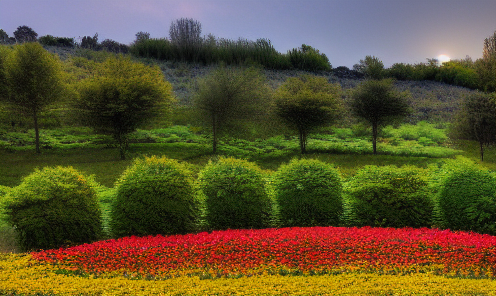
401, 71
54, 207
467, 199
389, 197
154, 196
235, 194
308, 193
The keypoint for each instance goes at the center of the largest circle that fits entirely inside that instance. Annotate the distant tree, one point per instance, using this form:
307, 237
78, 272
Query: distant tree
114, 46
376, 102
25, 34
371, 67
228, 98
305, 103
309, 58
486, 66
90, 42
476, 120
185, 35
121, 97
142, 36
4, 37
34, 79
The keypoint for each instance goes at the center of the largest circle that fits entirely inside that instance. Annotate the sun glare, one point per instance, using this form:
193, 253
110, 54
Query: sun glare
443, 58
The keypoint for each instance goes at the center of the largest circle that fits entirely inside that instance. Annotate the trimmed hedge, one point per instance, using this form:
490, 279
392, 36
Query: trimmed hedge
54, 207
467, 200
154, 196
235, 195
308, 193
390, 197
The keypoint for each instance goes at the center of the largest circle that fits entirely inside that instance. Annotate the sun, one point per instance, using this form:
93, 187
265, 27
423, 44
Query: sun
442, 58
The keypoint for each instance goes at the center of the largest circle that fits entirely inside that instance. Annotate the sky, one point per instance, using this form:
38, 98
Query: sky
395, 31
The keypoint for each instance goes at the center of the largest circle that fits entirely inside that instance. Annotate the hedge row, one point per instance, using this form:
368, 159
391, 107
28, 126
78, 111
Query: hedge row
156, 195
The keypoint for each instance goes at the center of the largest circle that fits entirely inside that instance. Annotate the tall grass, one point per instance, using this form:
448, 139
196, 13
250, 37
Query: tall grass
232, 52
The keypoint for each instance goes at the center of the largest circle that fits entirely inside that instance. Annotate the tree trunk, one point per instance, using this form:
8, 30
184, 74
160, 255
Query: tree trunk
374, 137
36, 132
303, 139
122, 146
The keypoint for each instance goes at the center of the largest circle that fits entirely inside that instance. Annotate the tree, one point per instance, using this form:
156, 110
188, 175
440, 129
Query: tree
476, 120
25, 34
486, 66
305, 103
376, 102
4, 37
228, 98
34, 80
185, 35
121, 97
371, 67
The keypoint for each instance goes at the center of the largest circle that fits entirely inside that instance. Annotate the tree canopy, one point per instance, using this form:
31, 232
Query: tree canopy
376, 102
122, 96
307, 102
228, 98
34, 80
476, 120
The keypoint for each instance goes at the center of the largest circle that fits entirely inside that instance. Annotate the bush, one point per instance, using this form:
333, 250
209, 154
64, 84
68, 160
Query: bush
54, 207
389, 197
235, 195
154, 196
308, 193
49, 40
467, 199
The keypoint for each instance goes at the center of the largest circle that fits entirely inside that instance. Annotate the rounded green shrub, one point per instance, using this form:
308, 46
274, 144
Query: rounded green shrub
467, 200
54, 207
235, 195
154, 196
389, 196
308, 193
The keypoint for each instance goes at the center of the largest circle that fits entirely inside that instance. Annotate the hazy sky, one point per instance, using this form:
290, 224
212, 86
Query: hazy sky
408, 31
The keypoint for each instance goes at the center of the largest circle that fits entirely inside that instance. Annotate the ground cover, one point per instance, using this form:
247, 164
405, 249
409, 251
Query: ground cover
286, 261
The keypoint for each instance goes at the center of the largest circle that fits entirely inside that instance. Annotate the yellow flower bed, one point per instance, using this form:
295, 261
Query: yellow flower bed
21, 275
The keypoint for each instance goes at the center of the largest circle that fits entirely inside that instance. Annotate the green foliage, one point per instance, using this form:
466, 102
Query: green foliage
467, 199
122, 97
456, 74
54, 207
114, 46
308, 193
309, 58
154, 196
228, 98
90, 42
389, 197
49, 40
422, 130
25, 34
4, 37
401, 71
476, 120
376, 102
306, 103
486, 66
371, 67
34, 81
235, 194
185, 45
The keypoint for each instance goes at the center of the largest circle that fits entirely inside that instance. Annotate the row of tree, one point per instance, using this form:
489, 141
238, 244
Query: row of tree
117, 96
479, 74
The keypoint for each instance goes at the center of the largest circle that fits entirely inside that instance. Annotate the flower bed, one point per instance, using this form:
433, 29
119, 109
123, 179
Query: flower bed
297, 251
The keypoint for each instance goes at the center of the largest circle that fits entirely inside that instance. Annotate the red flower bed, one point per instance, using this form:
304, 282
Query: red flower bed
304, 250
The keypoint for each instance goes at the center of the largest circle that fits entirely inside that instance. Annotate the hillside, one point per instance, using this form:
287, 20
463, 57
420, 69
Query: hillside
432, 101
